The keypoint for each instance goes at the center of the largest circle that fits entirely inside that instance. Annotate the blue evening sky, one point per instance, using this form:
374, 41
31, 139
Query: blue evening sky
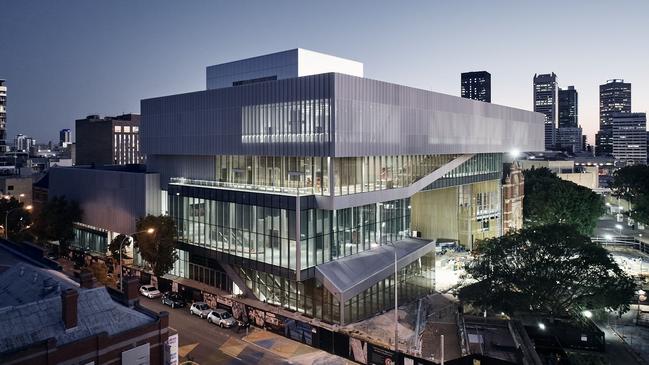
64, 60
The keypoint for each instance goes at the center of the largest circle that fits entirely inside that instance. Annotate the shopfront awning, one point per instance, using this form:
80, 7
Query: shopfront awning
350, 276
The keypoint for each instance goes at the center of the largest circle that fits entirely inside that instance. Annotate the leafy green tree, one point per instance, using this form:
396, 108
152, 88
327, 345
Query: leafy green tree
55, 221
157, 249
113, 247
19, 217
632, 184
549, 199
550, 269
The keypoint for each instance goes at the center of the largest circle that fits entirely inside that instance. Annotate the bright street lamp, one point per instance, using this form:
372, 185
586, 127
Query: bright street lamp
121, 245
542, 326
28, 208
587, 314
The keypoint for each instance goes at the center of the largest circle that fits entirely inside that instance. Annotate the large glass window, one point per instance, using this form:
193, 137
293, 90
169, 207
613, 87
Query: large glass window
269, 234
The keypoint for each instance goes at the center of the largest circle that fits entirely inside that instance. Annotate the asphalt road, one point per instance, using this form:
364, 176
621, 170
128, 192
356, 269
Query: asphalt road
208, 343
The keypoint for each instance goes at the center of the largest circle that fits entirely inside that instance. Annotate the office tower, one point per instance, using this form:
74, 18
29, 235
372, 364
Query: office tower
109, 140
546, 102
476, 85
569, 139
274, 199
568, 108
629, 132
614, 97
64, 138
3, 120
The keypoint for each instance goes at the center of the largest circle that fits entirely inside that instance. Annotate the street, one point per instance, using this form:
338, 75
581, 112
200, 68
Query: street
205, 344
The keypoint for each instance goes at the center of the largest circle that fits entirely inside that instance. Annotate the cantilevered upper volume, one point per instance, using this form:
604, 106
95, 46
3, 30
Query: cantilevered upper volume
332, 115
293, 63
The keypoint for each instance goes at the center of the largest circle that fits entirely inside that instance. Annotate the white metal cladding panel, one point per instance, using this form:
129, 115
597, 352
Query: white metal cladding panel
210, 122
282, 64
195, 167
111, 200
378, 118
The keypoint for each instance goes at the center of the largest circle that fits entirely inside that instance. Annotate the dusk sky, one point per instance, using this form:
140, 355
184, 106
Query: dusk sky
64, 60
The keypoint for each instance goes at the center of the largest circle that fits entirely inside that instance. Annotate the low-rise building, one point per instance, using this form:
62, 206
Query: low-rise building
48, 318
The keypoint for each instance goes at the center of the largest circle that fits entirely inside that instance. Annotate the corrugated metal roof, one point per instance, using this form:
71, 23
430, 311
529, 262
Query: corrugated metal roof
349, 276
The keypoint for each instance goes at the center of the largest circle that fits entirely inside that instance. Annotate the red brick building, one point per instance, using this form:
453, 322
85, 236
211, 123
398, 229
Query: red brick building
48, 318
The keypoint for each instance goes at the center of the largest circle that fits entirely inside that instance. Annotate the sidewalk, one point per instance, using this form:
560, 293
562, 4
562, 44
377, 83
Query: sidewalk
294, 352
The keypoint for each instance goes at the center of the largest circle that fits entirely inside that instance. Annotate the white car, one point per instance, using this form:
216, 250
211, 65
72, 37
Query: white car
150, 291
200, 309
221, 317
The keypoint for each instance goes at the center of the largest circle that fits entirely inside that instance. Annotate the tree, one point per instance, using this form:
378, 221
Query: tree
549, 199
632, 184
157, 249
100, 272
55, 221
18, 219
550, 269
113, 247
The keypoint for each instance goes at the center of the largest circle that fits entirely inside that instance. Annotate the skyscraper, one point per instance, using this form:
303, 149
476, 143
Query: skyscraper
64, 137
568, 107
614, 97
629, 131
3, 119
569, 133
545, 101
476, 85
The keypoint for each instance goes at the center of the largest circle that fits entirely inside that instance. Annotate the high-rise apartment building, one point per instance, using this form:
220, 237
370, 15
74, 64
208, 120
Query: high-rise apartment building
65, 137
629, 132
3, 120
476, 85
614, 97
545, 91
109, 140
23, 143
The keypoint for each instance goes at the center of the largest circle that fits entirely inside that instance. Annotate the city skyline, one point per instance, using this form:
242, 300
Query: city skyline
128, 52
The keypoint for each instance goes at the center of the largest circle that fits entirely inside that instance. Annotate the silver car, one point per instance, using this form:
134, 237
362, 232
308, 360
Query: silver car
200, 309
222, 318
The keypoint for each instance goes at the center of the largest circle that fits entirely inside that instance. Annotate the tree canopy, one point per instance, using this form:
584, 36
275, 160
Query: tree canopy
549, 199
632, 184
549, 269
113, 247
55, 220
157, 249
19, 217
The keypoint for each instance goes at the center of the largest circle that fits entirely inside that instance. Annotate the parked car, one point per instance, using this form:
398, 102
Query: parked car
174, 300
150, 291
222, 318
200, 309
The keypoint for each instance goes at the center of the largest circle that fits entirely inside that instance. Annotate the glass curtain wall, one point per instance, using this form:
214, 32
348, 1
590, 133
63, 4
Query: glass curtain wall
282, 174
311, 298
90, 240
297, 121
370, 173
268, 234
414, 281
310, 175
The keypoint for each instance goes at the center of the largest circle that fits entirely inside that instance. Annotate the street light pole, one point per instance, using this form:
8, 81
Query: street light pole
396, 301
121, 246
